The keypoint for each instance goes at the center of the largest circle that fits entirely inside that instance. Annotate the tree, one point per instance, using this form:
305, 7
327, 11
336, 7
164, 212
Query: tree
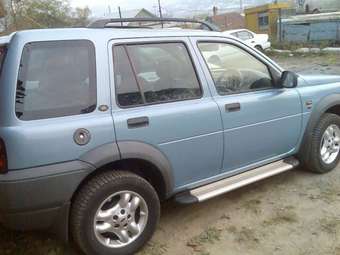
80, 17
30, 14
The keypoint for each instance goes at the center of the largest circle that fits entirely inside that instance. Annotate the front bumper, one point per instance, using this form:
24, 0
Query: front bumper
39, 198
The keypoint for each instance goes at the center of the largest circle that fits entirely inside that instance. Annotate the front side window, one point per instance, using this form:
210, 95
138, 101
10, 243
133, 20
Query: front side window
154, 73
233, 69
56, 79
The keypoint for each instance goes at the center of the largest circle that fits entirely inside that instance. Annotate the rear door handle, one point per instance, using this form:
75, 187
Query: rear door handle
138, 122
234, 107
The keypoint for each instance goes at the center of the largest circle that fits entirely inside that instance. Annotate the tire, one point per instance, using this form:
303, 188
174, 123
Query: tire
315, 162
105, 193
259, 47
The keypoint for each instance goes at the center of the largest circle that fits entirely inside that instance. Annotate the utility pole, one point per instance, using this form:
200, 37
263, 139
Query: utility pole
160, 12
120, 15
241, 6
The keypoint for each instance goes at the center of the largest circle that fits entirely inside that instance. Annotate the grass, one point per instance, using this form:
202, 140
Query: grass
330, 225
294, 46
253, 206
282, 216
154, 248
209, 236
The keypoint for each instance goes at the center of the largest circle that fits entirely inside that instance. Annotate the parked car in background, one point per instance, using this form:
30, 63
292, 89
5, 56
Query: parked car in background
258, 41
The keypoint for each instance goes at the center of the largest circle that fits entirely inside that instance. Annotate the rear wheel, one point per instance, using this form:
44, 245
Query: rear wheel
325, 145
114, 213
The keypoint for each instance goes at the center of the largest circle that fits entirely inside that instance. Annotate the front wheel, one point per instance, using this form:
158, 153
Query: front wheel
114, 213
325, 145
259, 47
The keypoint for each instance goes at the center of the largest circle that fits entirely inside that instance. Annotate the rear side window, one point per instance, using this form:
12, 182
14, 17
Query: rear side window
56, 79
154, 73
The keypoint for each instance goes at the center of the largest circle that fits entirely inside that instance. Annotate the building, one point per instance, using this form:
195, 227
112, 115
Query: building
140, 13
314, 28
228, 21
264, 18
317, 6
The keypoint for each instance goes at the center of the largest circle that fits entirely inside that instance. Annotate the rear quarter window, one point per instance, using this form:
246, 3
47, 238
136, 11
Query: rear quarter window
56, 79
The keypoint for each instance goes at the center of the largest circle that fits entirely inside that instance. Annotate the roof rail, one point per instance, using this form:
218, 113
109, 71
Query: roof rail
105, 23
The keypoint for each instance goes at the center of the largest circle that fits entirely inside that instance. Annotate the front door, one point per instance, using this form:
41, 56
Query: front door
162, 101
261, 122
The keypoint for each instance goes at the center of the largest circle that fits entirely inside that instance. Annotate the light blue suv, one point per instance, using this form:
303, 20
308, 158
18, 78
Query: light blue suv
98, 125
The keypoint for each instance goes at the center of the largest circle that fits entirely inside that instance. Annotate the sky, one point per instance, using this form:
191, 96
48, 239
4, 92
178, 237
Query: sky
100, 7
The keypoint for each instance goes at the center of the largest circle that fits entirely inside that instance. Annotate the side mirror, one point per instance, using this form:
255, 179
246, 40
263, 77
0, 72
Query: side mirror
289, 79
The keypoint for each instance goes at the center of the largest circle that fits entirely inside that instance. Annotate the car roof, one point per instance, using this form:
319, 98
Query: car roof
108, 33
235, 31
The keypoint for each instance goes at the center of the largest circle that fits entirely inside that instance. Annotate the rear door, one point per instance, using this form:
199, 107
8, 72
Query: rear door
162, 101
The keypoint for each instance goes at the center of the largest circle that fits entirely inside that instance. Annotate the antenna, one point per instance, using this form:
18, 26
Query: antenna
160, 12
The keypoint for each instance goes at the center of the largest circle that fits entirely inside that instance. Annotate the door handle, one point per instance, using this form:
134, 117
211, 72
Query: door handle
234, 107
138, 122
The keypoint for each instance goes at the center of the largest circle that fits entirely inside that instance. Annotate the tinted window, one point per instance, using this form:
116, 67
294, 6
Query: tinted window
154, 73
56, 79
233, 69
126, 83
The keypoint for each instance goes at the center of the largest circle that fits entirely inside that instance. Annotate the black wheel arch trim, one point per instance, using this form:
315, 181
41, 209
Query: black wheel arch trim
318, 110
102, 155
112, 152
147, 152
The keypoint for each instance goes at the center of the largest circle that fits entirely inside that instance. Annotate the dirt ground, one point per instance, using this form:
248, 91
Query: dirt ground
294, 213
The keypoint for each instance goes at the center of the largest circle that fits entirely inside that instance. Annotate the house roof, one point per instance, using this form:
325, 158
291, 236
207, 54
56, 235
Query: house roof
266, 7
229, 20
313, 17
140, 13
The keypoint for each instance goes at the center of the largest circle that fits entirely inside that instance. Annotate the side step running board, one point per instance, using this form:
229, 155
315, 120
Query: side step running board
226, 185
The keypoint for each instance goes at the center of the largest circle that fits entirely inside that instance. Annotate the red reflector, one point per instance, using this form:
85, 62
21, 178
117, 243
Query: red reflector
3, 157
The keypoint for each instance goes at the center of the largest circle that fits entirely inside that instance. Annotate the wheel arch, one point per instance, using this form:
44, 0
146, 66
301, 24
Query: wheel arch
137, 157
329, 104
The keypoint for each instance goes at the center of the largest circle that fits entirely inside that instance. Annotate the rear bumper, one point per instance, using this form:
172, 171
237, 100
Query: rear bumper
39, 198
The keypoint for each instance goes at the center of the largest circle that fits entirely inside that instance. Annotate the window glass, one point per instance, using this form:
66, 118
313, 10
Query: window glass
263, 21
244, 35
3, 51
154, 73
233, 69
56, 79
235, 34
125, 80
